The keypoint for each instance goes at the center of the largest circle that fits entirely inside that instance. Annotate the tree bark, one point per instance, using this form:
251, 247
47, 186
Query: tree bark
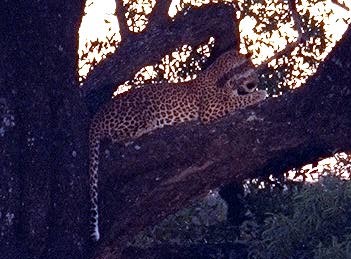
43, 155
160, 173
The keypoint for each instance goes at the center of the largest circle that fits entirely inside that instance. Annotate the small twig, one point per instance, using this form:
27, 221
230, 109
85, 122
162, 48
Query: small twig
121, 11
297, 19
342, 5
290, 47
237, 9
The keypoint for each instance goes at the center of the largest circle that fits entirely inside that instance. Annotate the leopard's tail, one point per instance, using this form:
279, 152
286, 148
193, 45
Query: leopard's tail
94, 150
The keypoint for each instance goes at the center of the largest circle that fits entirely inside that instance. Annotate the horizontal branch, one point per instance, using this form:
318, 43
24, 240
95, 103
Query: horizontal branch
161, 173
148, 47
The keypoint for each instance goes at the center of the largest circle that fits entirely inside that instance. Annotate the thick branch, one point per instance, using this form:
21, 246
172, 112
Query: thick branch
150, 46
162, 172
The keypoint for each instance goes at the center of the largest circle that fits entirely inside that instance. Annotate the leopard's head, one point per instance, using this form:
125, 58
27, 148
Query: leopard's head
242, 78
246, 84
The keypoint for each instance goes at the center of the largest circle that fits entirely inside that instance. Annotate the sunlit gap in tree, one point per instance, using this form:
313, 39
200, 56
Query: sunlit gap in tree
180, 66
339, 165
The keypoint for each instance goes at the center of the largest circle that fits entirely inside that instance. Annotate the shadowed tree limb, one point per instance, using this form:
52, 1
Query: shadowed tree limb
161, 173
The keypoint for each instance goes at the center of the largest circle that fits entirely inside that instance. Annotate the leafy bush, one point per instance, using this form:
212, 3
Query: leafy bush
284, 220
308, 222
202, 222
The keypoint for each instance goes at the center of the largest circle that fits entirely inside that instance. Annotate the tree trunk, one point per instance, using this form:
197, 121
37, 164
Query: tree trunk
43, 161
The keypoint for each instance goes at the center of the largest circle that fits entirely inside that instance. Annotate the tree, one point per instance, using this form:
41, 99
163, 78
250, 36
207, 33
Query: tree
44, 187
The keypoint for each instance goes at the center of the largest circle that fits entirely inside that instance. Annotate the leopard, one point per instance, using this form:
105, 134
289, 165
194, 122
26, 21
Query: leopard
228, 84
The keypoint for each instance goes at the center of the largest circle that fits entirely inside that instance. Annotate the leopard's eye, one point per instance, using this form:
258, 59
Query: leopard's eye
242, 91
251, 85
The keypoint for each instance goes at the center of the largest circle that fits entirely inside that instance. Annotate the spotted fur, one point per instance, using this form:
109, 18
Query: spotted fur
228, 84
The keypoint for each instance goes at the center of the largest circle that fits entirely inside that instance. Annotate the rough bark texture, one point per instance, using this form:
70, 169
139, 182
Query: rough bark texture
43, 156
162, 172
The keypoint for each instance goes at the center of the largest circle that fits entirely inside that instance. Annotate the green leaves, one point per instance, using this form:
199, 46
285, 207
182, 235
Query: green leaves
317, 226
